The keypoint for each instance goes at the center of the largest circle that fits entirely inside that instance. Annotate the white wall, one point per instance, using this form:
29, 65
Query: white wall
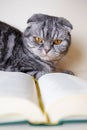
16, 13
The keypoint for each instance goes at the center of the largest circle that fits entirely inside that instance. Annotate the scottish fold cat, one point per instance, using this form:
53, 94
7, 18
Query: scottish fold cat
38, 49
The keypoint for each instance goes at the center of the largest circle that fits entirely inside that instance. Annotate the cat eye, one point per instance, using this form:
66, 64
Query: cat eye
38, 40
57, 42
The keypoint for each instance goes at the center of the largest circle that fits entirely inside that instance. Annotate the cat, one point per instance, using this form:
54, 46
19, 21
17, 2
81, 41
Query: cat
36, 50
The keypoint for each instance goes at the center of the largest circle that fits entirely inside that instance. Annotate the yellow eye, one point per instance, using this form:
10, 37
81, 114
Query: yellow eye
38, 40
57, 42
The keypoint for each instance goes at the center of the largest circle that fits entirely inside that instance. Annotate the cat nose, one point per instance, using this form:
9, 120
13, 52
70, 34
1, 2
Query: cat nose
47, 50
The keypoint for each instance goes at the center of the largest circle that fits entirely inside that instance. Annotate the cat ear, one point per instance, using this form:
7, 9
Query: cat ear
65, 23
35, 18
42, 17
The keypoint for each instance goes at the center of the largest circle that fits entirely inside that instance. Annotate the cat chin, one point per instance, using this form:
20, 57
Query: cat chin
46, 58
49, 58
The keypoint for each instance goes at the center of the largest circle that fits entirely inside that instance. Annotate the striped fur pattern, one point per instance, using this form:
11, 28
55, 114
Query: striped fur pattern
19, 51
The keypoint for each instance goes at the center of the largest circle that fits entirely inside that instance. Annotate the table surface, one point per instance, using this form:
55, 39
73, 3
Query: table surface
80, 126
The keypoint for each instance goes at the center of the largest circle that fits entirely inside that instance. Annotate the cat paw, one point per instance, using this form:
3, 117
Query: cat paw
39, 74
68, 72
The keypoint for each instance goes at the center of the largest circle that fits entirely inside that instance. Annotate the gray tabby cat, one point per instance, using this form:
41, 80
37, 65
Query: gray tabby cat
44, 42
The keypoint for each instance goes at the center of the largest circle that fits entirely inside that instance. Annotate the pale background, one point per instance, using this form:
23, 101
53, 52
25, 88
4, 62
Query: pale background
16, 13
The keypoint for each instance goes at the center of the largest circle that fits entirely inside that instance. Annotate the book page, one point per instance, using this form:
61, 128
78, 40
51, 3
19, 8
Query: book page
56, 86
18, 96
19, 85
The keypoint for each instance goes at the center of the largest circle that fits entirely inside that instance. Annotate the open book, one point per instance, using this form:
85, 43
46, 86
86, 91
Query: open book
55, 97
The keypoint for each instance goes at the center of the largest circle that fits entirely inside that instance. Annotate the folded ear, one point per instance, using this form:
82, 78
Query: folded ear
42, 17
65, 23
36, 18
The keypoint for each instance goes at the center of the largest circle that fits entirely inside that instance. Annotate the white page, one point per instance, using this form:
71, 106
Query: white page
19, 85
18, 96
59, 85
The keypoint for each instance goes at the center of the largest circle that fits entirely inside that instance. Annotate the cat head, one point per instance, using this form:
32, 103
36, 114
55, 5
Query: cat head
48, 37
